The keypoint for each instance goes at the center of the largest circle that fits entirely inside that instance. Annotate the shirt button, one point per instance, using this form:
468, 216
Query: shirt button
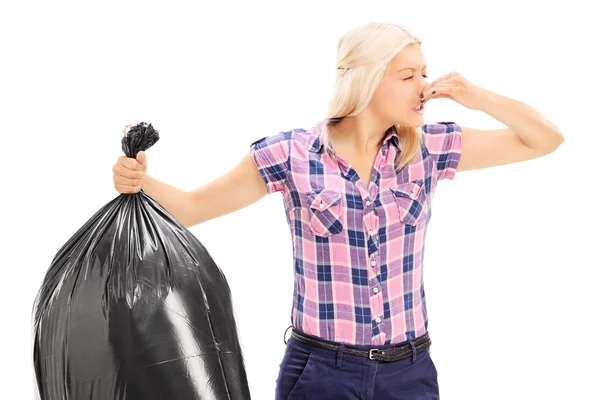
375, 290
378, 320
371, 233
373, 263
368, 203
321, 205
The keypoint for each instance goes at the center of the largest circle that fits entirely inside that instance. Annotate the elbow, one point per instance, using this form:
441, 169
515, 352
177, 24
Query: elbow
552, 144
558, 140
555, 145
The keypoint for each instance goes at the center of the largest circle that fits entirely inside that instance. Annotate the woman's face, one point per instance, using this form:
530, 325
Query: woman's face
399, 91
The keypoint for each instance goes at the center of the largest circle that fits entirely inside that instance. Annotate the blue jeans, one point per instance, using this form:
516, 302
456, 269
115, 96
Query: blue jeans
309, 372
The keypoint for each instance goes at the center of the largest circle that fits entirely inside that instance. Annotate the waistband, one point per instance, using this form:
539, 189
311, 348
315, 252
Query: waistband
391, 352
356, 346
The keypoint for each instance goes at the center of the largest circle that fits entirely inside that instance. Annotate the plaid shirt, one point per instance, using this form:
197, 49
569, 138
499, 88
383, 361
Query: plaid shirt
358, 251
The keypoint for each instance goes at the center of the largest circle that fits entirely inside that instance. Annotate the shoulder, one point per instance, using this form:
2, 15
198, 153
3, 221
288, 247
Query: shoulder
298, 134
441, 137
440, 128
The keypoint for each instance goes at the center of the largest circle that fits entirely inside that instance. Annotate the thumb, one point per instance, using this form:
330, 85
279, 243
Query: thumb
141, 158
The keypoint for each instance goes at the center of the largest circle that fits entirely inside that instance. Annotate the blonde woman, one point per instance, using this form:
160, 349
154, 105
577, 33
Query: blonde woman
357, 189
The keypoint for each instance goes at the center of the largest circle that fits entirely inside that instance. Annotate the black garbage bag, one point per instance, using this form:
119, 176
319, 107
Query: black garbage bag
134, 307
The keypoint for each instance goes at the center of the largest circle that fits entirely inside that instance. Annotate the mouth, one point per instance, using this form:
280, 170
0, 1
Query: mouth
419, 109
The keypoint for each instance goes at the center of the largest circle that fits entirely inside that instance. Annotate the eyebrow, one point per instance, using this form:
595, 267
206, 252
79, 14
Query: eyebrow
424, 66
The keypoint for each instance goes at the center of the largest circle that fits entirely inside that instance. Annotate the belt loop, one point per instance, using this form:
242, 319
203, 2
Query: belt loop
414, 351
338, 361
285, 333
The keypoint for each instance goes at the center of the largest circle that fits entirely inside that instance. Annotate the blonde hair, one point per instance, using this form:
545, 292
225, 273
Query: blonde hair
363, 56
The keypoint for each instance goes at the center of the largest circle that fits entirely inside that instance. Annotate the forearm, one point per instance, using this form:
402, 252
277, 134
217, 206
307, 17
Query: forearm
238, 188
176, 201
535, 130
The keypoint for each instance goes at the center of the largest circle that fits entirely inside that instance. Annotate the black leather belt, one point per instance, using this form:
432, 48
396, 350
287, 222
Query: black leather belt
421, 343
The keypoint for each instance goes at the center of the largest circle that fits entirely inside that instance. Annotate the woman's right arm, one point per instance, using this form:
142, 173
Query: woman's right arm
238, 188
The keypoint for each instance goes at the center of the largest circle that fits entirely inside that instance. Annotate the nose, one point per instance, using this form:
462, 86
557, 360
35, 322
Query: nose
424, 86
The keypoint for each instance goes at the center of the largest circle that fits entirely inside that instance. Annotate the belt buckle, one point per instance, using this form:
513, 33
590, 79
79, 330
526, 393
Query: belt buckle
371, 353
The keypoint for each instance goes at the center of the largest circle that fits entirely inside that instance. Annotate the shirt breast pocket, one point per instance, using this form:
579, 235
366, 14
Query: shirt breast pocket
411, 201
325, 212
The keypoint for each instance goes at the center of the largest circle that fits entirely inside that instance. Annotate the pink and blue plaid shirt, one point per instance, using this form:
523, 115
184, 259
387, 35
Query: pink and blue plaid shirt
358, 251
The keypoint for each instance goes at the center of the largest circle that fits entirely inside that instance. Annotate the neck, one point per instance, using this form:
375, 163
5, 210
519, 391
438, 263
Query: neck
360, 134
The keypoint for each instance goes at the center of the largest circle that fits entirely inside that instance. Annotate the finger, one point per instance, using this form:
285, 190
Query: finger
441, 92
430, 88
130, 163
437, 91
141, 157
441, 79
428, 94
123, 188
128, 173
121, 180
426, 88
127, 189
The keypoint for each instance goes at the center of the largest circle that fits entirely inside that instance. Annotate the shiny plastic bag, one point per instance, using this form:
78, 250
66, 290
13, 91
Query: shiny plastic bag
134, 307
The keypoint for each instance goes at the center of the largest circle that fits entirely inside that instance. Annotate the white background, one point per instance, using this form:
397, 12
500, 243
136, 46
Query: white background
512, 252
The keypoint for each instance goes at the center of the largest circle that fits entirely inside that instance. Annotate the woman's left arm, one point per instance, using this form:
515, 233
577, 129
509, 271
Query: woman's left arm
529, 134
535, 130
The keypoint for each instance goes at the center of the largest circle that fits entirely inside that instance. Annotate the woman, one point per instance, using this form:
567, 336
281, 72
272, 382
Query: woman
358, 189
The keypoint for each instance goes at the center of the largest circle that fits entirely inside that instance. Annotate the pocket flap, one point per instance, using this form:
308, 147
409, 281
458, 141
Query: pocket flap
409, 190
324, 199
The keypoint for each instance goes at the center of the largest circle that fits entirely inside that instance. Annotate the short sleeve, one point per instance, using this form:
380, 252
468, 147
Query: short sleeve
271, 154
444, 144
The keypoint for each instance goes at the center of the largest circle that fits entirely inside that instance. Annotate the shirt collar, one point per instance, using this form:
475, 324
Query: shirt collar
315, 145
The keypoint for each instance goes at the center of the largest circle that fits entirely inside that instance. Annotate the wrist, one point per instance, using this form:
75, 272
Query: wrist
144, 181
488, 99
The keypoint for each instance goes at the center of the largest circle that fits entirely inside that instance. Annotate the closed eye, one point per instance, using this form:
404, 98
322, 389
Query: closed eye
424, 76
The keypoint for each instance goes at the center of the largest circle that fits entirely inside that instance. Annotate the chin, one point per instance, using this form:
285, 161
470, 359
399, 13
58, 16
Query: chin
416, 122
